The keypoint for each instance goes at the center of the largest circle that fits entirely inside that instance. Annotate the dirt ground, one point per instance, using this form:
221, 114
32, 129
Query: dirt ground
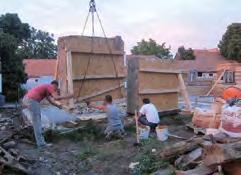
87, 152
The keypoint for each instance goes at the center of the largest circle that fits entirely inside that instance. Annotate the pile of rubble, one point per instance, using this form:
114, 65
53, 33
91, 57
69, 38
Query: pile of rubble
218, 150
82, 108
205, 155
10, 156
5, 123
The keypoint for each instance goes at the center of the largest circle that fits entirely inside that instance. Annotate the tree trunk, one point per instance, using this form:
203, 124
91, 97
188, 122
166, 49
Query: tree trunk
221, 153
180, 148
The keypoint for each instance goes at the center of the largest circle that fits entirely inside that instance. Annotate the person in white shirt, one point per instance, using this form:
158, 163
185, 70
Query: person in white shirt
148, 115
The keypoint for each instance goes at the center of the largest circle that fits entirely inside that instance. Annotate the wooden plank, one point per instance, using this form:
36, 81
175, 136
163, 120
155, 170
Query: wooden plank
92, 86
215, 84
90, 77
56, 69
83, 44
99, 65
163, 71
117, 53
184, 92
221, 153
163, 113
158, 81
157, 91
62, 69
100, 92
69, 77
199, 170
180, 148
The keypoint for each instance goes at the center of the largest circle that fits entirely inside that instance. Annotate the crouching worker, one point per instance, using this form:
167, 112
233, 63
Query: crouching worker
115, 126
148, 115
32, 101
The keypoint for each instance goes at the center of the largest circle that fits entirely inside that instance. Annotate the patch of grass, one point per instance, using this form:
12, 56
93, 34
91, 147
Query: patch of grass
90, 132
130, 128
182, 118
149, 163
86, 153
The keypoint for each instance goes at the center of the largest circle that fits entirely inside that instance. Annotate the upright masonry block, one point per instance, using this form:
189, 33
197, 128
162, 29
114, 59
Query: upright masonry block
91, 67
150, 77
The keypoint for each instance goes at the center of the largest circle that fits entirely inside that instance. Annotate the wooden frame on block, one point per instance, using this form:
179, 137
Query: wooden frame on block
91, 67
148, 79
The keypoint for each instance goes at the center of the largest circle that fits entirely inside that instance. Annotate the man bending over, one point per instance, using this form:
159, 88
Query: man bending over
32, 101
148, 115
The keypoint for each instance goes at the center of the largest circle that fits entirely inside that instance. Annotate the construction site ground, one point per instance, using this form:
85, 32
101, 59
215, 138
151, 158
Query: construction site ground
86, 151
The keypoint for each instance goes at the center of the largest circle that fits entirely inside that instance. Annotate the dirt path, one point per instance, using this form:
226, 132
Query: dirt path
87, 152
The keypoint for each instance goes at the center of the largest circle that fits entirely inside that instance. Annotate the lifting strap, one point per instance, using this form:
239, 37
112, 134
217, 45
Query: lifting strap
92, 10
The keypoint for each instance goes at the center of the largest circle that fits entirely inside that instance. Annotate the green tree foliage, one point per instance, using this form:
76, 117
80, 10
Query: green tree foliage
152, 48
12, 66
230, 45
186, 54
11, 24
17, 42
39, 45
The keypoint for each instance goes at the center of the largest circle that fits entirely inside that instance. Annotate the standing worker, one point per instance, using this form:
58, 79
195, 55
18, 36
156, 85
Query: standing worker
32, 101
115, 126
148, 115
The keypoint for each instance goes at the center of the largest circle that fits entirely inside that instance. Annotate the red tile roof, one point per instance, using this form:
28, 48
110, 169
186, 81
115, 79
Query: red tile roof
206, 60
39, 67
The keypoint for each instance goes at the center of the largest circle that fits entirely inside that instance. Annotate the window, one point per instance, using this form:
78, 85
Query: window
199, 74
228, 77
210, 74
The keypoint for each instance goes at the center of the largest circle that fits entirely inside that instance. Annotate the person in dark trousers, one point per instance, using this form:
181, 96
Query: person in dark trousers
148, 115
32, 101
115, 124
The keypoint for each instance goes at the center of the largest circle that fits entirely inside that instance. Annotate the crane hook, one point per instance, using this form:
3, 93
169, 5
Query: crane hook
92, 6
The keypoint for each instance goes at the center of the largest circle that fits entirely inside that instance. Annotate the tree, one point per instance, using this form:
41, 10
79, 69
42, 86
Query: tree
17, 42
12, 34
40, 44
230, 45
11, 24
12, 66
186, 54
152, 48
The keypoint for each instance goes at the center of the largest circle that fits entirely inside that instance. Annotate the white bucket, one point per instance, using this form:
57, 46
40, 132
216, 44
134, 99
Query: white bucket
162, 132
144, 132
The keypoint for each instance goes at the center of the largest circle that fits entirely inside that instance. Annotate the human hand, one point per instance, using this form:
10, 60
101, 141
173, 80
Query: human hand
87, 103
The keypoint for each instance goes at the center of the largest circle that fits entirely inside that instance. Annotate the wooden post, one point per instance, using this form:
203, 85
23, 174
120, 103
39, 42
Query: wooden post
184, 92
132, 85
215, 84
137, 127
70, 78
56, 69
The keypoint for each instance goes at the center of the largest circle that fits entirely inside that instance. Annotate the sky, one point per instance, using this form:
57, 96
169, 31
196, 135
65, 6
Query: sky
197, 24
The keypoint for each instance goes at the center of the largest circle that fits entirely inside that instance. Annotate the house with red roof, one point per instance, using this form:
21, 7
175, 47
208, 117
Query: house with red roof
39, 71
204, 69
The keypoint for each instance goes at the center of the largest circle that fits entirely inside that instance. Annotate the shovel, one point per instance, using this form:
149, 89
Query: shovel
137, 131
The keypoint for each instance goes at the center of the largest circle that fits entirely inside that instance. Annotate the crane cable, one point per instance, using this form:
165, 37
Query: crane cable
93, 10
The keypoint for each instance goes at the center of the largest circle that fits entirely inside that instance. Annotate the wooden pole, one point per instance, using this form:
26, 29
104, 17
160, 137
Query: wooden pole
70, 77
184, 92
137, 128
56, 69
215, 84
132, 85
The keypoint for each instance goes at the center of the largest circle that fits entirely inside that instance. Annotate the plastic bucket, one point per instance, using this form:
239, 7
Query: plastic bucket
162, 132
144, 132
